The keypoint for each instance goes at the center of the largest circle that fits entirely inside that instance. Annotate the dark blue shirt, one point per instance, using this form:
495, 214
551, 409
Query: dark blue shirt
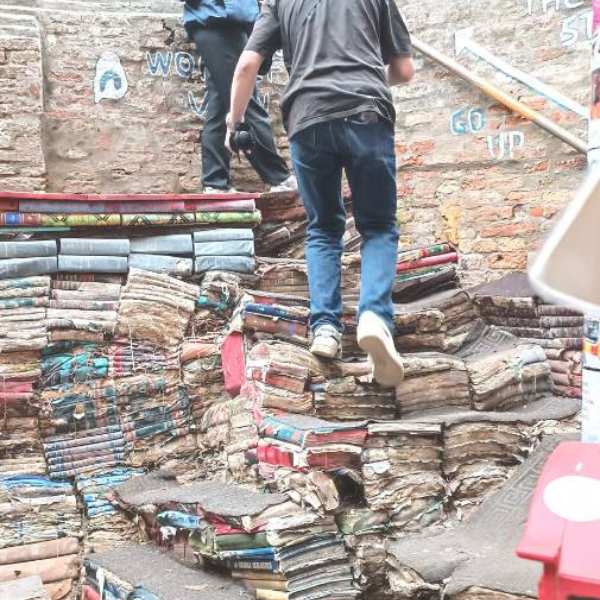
207, 12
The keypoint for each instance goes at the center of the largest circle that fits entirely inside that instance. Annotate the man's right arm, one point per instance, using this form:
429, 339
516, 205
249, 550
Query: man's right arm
400, 70
396, 48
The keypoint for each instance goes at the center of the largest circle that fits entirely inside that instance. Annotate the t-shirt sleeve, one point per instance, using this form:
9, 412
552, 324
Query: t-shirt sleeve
395, 39
266, 36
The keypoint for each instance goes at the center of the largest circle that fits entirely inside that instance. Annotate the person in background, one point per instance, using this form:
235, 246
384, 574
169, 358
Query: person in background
220, 31
339, 115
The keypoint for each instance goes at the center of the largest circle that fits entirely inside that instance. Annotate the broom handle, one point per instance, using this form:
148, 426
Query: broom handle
497, 94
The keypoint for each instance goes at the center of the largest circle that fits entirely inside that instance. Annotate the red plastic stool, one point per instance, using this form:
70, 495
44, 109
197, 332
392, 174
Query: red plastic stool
563, 530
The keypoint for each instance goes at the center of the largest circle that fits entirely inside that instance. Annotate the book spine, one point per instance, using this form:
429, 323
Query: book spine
259, 565
275, 325
179, 243
92, 264
94, 247
171, 265
218, 235
38, 248
25, 267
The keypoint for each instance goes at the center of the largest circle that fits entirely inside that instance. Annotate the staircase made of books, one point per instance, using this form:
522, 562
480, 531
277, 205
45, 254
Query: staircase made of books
167, 432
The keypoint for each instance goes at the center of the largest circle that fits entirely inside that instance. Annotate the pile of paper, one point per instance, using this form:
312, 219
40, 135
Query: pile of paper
69, 362
476, 557
270, 543
156, 308
153, 420
242, 441
365, 533
566, 371
278, 378
19, 373
36, 509
25, 464
63, 362
402, 472
219, 293
282, 276
215, 429
511, 304
20, 442
508, 378
72, 408
351, 398
304, 443
283, 229
423, 271
53, 566
19, 404
282, 552
83, 311
129, 357
107, 525
110, 422
73, 454
202, 374
224, 250
432, 381
23, 308
289, 323
442, 321
479, 454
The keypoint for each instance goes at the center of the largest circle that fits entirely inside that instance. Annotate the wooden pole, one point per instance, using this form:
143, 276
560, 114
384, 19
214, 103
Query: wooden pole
497, 94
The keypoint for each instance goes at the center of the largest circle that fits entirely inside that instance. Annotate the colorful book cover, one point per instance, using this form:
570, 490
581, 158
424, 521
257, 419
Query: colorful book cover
306, 431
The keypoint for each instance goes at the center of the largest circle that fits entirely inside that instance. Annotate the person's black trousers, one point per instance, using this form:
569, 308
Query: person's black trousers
220, 48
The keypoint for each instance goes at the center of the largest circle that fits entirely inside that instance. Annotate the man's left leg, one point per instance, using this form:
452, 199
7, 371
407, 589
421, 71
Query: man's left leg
371, 170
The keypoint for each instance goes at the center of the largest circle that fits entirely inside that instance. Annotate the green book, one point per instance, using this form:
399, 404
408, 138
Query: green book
241, 541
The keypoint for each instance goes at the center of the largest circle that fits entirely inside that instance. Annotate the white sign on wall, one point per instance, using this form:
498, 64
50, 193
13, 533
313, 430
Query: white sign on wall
110, 81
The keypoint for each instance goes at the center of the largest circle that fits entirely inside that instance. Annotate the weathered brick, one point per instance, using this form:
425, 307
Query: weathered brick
508, 230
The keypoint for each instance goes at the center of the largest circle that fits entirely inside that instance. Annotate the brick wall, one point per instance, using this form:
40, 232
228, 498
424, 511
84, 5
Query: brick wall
22, 164
459, 176
468, 169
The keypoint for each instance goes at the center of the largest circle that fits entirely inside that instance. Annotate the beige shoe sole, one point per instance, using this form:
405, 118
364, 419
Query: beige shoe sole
324, 350
388, 369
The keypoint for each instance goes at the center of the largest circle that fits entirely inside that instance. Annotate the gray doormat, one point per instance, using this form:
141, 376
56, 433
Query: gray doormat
548, 408
166, 578
228, 500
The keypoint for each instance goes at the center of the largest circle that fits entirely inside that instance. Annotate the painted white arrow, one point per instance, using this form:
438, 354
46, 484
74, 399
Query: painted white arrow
464, 41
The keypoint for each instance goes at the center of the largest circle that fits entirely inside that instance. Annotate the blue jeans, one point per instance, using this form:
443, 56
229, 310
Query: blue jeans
366, 152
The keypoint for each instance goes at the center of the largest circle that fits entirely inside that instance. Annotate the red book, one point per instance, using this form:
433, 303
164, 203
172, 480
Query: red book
428, 261
232, 358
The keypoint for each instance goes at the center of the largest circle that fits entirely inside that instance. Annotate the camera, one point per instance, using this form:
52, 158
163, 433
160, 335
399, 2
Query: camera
242, 139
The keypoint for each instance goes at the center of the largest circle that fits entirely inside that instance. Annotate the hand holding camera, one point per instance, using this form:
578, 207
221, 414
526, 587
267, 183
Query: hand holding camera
239, 137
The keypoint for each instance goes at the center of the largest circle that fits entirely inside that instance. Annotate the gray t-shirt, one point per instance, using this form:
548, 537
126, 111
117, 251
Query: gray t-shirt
335, 52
